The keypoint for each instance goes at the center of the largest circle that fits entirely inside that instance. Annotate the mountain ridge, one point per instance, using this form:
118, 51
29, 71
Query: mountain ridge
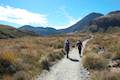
40, 30
93, 22
103, 23
50, 31
83, 22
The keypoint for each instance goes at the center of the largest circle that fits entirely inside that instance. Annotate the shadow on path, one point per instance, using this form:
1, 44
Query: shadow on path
74, 60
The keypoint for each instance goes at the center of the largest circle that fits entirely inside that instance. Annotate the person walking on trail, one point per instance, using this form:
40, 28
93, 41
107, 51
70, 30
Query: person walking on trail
67, 47
79, 45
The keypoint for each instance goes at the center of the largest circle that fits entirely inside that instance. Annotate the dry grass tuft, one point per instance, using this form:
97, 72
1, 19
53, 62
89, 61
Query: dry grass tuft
9, 56
94, 61
105, 75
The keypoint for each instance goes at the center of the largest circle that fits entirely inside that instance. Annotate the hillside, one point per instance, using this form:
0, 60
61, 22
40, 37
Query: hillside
11, 32
104, 23
82, 23
102, 56
39, 30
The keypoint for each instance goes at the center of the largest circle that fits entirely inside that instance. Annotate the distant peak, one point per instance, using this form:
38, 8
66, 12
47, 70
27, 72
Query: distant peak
114, 12
95, 13
27, 26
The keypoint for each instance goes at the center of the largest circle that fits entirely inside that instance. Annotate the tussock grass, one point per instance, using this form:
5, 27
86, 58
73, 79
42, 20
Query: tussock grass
103, 48
9, 56
105, 75
94, 62
110, 43
30, 55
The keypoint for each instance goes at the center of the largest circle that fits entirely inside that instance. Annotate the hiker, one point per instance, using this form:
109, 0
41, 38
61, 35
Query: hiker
67, 47
79, 45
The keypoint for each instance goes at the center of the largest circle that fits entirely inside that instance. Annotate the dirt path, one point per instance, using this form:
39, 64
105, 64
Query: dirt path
67, 69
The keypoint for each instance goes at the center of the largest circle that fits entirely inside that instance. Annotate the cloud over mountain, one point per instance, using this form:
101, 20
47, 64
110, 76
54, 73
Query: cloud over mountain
22, 16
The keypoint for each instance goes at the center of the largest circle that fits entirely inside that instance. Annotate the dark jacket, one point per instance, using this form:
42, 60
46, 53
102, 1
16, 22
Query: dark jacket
79, 44
67, 45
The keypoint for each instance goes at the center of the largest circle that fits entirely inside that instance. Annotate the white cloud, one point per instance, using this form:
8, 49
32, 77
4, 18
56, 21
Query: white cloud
70, 18
67, 15
21, 16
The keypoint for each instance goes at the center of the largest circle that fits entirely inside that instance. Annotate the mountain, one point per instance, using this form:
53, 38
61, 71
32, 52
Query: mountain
51, 31
11, 32
104, 23
92, 22
39, 30
82, 23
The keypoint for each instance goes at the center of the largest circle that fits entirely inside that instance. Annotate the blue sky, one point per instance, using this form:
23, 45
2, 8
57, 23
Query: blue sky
52, 13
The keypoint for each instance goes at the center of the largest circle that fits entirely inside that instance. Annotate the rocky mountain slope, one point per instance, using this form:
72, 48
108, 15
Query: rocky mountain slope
82, 23
104, 23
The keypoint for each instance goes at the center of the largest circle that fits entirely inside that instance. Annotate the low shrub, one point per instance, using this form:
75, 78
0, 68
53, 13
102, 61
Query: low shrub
8, 56
107, 55
105, 75
53, 57
21, 75
6, 67
94, 61
45, 64
116, 56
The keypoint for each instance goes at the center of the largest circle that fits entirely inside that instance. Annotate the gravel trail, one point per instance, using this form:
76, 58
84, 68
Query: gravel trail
67, 69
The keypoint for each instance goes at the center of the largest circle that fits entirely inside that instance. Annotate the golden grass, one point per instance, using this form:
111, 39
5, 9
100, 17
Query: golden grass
105, 47
94, 61
110, 42
33, 54
9, 56
105, 75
